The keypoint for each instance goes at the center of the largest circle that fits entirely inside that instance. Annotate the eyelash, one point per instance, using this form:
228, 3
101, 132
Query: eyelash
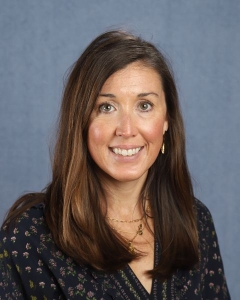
148, 103
102, 107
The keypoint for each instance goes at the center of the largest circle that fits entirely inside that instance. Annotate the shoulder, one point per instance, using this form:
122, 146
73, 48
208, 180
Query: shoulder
207, 235
211, 265
204, 216
30, 261
33, 215
30, 224
201, 208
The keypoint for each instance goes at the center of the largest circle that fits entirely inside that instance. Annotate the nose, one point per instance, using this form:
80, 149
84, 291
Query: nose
126, 126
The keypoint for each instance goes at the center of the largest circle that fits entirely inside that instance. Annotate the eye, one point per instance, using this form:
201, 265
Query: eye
106, 108
145, 106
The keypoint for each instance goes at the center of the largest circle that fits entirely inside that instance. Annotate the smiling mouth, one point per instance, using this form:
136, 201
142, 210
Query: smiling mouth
126, 152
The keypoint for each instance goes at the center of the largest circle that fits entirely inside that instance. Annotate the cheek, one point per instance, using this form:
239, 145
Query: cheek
94, 139
154, 131
97, 134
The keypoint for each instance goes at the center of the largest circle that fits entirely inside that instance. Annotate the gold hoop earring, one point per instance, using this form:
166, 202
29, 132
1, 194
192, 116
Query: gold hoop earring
163, 148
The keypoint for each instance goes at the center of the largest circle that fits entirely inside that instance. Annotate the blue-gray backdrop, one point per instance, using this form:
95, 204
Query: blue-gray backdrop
39, 40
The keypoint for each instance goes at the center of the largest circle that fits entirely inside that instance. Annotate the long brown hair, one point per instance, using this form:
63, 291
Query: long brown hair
72, 199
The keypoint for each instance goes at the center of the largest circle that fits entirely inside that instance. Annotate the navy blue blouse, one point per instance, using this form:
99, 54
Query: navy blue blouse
32, 267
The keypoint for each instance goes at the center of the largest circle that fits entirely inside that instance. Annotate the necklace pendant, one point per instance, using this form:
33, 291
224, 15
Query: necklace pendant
131, 248
140, 230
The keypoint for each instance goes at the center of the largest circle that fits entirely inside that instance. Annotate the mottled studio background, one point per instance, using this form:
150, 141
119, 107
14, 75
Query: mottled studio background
39, 40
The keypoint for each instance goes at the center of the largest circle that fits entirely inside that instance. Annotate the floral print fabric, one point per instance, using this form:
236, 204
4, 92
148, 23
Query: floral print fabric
32, 267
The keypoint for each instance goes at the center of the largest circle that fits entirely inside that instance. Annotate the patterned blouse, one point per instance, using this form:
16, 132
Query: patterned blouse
32, 267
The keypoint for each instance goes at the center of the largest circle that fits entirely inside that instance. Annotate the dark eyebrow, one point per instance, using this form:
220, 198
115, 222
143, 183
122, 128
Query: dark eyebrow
107, 95
147, 94
139, 95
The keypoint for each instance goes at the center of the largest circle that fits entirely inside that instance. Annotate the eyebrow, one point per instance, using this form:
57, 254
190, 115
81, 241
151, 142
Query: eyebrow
139, 95
107, 95
147, 94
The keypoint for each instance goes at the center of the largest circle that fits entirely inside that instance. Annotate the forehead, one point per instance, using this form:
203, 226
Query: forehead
137, 74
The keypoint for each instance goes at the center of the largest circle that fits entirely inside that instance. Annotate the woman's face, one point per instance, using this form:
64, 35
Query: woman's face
127, 124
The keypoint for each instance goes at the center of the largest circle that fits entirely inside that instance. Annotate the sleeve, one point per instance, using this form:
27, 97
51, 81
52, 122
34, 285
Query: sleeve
214, 285
10, 280
22, 272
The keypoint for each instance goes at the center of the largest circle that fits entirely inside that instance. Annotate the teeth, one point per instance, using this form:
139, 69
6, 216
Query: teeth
125, 152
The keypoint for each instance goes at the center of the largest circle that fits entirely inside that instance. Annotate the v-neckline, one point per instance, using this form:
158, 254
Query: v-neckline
127, 278
155, 263
136, 280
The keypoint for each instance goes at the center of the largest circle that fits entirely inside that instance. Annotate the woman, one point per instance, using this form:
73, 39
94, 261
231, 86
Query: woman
119, 219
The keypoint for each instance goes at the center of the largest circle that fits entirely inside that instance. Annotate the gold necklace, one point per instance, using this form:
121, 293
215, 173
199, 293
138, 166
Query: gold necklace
125, 221
131, 248
131, 221
139, 231
139, 227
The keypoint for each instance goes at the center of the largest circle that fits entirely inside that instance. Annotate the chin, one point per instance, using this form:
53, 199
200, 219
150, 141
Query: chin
129, 177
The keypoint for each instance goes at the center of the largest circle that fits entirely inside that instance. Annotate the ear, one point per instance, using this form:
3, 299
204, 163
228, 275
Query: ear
165, 126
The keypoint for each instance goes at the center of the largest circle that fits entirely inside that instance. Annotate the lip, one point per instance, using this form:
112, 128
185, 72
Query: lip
126, 147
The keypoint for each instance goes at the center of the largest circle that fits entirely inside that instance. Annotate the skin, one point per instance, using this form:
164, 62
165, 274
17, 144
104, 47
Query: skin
125, 136
129, 113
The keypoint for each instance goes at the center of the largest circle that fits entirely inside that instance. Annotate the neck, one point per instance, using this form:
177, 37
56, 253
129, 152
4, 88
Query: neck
123, 198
